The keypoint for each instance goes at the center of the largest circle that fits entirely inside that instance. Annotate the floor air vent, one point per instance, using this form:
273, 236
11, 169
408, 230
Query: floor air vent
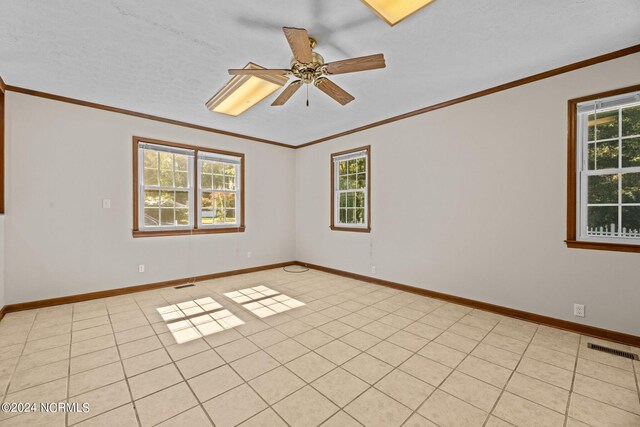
184, 286
613, 351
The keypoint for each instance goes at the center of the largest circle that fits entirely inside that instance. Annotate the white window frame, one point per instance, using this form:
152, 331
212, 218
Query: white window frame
142, 187
222, 158
336, 159
584, 109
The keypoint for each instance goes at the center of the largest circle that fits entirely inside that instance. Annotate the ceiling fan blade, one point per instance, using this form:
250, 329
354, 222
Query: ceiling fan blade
334, 91
352, 65
287, 93
254, 72
300, 44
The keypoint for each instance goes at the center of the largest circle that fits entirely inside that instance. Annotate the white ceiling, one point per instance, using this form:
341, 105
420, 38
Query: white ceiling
167, 57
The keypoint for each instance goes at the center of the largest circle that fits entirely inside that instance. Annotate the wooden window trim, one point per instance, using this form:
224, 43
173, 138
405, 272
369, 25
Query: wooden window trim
333, 225
196, 217
572, 172
2, 130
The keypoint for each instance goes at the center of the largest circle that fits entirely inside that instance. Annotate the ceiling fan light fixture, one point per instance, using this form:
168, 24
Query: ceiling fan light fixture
394, 11
244, 91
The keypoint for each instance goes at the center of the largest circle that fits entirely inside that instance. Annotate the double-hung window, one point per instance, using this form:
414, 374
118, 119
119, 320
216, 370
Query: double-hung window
351, 190
183, 189
607, 172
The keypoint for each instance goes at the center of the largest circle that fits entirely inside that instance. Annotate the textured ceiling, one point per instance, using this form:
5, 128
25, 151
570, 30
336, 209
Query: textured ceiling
167, 58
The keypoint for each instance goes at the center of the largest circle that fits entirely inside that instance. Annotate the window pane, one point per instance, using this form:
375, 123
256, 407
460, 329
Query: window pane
182, 179
229, 169
601, 216
353, 166
591, 150
343, 200
150, 176
362, 180
631, 121
631, 219
167, 216
353, 183
218, 182
166, 161
182, 199
151, 198
166, 178
219, 216
218, 200
230, 182
218, 168
360, 199
182, 216
606, 155
207, 167
342, 183
351, 200
631, 188
230, 216
231, 200
607, 124
591, 130
206, 181
150, 159
167, 199
151, 216
350, 216
603, 189
630, 152
182, 162
362, 164
360, 216
207, 200
342, 167
206, 216
343, 216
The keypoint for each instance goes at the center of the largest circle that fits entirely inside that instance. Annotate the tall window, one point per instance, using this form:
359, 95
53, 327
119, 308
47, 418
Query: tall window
351, 190
607, 153
182, 189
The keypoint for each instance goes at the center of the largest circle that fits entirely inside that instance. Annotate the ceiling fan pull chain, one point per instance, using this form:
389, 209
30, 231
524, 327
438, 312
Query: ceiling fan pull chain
307, 95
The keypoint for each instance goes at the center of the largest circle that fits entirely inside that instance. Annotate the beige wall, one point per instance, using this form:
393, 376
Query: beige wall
63, 159
470, 200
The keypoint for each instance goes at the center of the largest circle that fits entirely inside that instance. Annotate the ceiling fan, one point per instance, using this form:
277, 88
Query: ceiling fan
309, 68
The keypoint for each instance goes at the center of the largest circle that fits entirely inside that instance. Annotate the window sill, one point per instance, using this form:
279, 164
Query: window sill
602, 246
352, 229
162, 233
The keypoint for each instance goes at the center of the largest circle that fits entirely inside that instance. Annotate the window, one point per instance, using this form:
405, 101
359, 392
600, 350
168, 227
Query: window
605, 213
182, 189
351, 190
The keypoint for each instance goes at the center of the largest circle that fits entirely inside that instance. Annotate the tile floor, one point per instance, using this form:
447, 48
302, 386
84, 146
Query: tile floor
353, 354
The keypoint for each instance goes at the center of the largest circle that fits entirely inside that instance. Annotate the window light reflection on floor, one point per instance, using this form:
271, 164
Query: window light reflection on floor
195, 319
263, 301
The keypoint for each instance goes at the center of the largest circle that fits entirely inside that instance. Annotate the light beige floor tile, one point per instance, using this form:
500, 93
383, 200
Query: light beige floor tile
390, 353
545, 372
506, 343
254, 365
313, 339
91, 345
471, 390
600, 414
607, 393
468, 331
552, 357
517, 329
555, 343
336, 328
605, 358
479, 322
95, 378
425, 369
387, 413
293, 328
617, 376
214, 383
442, 354
123, 416
496, 422
183, 350
341, 419
100, 401
154, 409
54, 391
154, 380
39, 375
522, 412
96, 331
396, 321
355, 320
222, 338
134, 334
145, 362
266, 418
316, 319
340, 386
252, 327
35, 419
492, 354
286, 351
90, 323
199, 363
456, 341
405, 388
234, 406
360, 340
236, 349
446, 410
310, 366
43, 357
267, 338
137, 347
408, 341
46, 343
539, 392
575, 423
337, 352
367, 368
194, 417
10, 351
306, 407
276, 384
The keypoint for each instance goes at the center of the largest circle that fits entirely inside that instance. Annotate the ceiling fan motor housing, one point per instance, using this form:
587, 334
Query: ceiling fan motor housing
308, 72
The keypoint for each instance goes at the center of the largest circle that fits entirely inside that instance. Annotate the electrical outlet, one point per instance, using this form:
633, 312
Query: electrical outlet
141, 268
578, 310
106, 203
249, 254
373, 269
